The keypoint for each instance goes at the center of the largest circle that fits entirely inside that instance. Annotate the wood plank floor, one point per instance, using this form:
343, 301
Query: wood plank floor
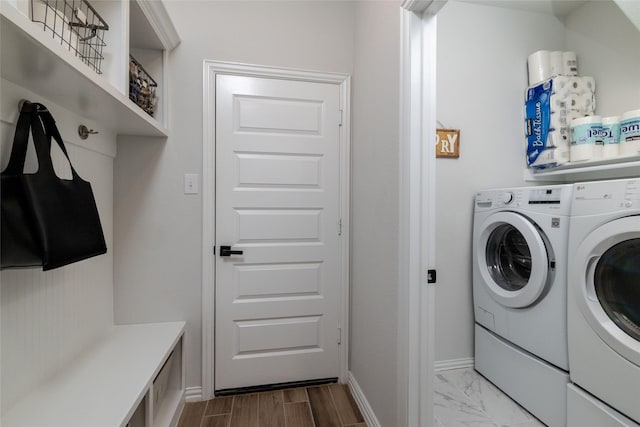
320, 406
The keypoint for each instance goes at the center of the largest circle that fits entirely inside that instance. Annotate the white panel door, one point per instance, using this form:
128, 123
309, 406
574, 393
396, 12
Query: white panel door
277, 201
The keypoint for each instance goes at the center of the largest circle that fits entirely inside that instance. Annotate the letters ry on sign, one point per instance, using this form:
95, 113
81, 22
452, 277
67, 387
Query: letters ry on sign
448, 143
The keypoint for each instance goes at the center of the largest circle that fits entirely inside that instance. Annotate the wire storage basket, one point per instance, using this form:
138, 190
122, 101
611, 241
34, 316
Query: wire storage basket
142, 87
76, 25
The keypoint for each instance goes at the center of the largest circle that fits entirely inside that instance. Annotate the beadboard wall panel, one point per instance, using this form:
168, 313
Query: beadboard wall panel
47, 318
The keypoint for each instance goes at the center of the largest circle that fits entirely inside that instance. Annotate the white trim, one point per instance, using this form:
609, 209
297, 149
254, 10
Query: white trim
417, 216
428, 219
193, 394
447, 365
361, 400
161, 23
208, 231
421, 6
345, 213
211, 69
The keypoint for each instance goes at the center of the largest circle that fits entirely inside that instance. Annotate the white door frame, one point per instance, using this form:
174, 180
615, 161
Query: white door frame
417, 211
211, 70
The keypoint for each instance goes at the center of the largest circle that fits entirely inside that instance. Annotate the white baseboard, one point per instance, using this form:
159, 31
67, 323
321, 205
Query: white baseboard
193, 394
366, 410
445, 365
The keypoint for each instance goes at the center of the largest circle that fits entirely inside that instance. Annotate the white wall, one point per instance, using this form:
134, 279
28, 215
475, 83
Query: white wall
158, 228
374, 206
481, 79
47, 318
608, 52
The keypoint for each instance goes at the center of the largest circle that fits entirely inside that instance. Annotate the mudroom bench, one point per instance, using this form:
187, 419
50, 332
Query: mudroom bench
132, 377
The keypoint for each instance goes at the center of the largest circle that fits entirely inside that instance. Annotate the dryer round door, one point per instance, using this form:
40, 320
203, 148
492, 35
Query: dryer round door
608, 263
513, 259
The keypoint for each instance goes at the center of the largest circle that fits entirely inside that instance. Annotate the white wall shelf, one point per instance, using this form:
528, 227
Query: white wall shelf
31, 58
620, 167
106, 384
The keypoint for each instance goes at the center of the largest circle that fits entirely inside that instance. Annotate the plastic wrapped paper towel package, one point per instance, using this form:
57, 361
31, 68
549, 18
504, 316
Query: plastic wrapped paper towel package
550, 108
546, 127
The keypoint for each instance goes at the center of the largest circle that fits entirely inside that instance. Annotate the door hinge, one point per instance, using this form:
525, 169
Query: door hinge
340, 227
339, 335
341, 113
214, 249
431, 276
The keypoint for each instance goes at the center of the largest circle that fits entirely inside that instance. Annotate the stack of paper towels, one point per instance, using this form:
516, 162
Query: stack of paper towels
544, 64
551, 106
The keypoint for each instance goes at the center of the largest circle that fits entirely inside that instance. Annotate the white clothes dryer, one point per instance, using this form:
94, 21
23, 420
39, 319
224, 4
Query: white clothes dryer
520, 294
584, 410
604, 293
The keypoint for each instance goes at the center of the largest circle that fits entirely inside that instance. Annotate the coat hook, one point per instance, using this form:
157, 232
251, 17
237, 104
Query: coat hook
21, 103
84, 132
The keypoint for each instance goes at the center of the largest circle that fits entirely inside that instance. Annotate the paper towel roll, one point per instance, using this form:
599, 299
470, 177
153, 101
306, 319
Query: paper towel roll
610, 151
557, 140
575, 84
576, 102
569, 64
589, 83
590, 103
582, 85
583, 104
558, 105
582, 153
557, 121
631, 148
586, 139
630, 133
555, 59
610, 137
573, 115
630, 126
561, 83
539, 67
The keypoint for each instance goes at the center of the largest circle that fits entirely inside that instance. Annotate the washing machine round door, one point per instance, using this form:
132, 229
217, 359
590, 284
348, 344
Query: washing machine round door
608, 262
513, 259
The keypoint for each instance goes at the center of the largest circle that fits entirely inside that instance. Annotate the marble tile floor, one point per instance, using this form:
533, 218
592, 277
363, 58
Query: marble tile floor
464, 398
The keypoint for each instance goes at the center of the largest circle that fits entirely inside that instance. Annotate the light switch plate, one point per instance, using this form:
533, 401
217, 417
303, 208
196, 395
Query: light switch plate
191, 183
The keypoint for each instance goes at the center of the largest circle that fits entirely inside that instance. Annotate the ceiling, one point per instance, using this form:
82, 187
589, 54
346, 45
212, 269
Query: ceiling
560, 8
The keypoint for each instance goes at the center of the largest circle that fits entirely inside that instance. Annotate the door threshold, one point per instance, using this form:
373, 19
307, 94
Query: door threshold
273, 387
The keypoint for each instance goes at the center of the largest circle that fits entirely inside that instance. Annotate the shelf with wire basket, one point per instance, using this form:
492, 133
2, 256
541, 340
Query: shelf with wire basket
76, 25
49, 58
142, 87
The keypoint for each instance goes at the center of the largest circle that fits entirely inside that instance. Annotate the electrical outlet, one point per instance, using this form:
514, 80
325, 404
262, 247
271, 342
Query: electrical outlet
191, 181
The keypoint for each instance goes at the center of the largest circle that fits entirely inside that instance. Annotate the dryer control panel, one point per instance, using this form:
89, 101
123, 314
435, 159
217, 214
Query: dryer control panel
591, 198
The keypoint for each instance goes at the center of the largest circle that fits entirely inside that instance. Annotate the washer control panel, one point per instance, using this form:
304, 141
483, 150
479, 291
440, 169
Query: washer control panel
506, 197
552, 198
545, 196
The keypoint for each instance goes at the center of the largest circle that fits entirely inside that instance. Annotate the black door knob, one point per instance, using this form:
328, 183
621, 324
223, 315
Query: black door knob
226, 251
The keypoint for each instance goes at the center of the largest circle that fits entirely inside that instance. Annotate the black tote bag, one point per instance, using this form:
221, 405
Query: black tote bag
65, 211
20, 243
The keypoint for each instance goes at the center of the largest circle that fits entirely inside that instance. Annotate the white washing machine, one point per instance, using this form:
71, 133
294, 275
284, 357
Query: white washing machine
520, 294
604, 293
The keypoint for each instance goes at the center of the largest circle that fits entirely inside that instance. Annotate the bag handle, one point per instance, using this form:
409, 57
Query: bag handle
51, 130
21, 140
